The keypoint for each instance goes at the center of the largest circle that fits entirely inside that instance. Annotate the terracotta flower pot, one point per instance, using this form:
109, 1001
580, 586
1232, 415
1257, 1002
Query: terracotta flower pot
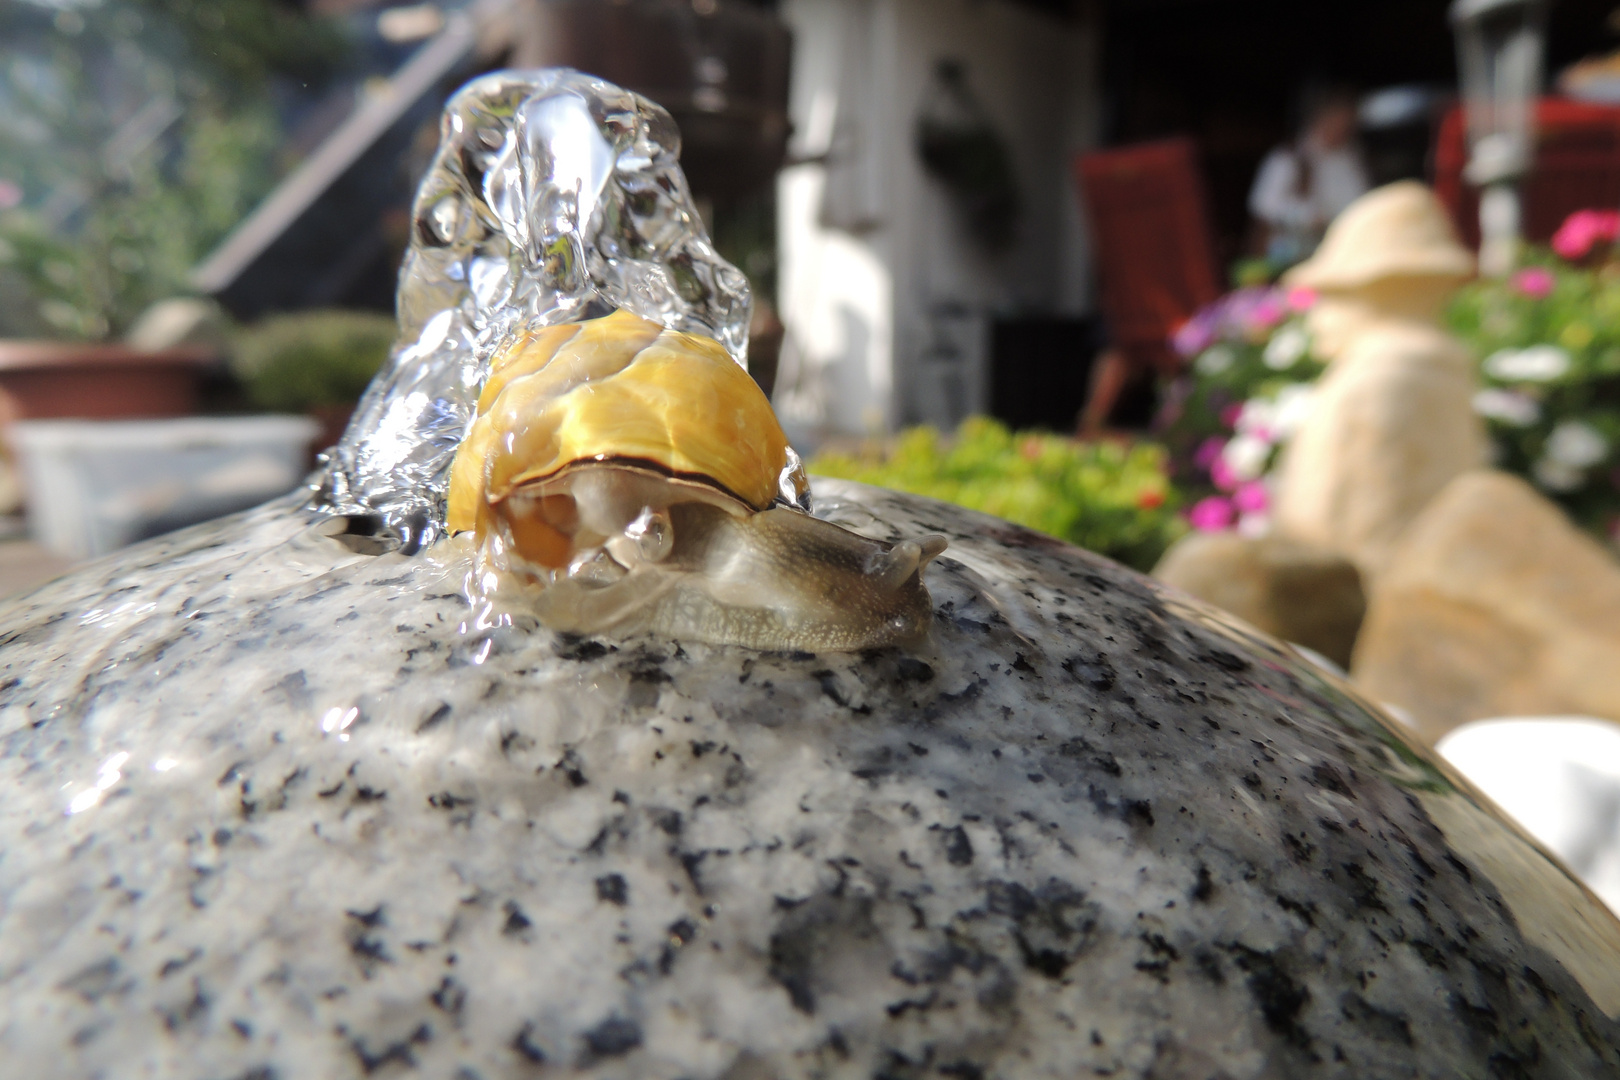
49, 380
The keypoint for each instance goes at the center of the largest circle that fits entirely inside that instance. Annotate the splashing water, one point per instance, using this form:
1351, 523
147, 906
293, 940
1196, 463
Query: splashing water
554, 197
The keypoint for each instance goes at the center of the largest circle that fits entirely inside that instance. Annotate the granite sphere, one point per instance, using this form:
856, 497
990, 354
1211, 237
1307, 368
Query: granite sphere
283, 803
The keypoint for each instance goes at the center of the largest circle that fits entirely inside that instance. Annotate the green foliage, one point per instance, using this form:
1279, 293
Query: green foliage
240, 44
745, 235
1109, 498
297, 362
1548, 338
138, 133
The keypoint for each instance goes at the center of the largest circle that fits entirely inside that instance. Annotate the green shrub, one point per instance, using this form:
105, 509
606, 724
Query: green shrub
296, 362
1112, 499
1548, 340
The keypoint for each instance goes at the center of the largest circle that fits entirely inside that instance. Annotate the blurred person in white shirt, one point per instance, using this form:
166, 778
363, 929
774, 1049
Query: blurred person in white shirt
1302, 186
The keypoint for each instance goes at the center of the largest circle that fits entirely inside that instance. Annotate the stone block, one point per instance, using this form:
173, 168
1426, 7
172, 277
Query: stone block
1493, 604
1298, 592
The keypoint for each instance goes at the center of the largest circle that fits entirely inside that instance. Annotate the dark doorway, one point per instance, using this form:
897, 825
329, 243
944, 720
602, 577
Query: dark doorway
1039, 369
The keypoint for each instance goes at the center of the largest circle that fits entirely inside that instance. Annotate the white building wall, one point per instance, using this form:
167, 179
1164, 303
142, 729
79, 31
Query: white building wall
886, 301
835, 284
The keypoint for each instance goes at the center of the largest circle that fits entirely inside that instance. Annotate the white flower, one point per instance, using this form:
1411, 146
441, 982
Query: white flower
1246, 456
1257, 418
1292, 409
1520, 410
1539, 363
1214, 360
1577, 445
1556, 476
1254, 526
1286, 347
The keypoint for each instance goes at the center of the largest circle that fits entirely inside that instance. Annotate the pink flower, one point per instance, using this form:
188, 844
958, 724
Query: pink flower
1536, 282
1222, 475
1266, 313
1252, 497
1212, 514
1300, 298
10, 194
1230, 414
1584, 228
1209, 451
1196, 334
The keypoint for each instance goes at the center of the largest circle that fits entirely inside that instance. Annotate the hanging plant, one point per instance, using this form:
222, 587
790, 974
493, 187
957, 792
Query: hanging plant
961, 149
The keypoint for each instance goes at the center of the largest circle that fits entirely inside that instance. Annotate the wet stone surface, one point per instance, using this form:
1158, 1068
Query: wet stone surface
278, 809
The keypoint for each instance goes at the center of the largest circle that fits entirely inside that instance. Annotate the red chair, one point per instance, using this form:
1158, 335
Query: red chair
1577, 166
1155, 257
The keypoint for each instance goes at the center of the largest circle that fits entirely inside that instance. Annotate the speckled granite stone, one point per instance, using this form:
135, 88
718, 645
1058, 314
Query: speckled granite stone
276, 809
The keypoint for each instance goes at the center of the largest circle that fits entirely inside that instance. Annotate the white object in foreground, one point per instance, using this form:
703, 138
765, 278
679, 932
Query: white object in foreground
1560, 777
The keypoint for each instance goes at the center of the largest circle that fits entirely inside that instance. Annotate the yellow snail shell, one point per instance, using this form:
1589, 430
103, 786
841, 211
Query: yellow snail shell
636, 474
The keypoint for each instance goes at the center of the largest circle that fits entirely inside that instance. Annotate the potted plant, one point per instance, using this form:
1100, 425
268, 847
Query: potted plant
136, 134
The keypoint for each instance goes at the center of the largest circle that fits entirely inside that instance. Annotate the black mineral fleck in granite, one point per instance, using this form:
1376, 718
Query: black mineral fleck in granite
279, 809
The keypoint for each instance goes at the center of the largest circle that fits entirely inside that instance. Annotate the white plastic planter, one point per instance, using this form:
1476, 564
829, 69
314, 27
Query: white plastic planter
94, 486
1560, 777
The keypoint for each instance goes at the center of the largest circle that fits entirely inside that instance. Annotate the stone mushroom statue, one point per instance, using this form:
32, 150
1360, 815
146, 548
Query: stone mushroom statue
1393, 421
1483, 599
1493, 604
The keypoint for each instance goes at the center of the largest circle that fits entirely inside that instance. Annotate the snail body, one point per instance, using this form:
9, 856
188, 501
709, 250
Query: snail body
635, 478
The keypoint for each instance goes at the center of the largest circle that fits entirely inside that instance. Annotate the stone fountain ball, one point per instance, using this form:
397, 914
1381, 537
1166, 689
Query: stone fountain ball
278, 809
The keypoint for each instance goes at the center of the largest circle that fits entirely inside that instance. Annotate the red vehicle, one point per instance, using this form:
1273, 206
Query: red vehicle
1577, 166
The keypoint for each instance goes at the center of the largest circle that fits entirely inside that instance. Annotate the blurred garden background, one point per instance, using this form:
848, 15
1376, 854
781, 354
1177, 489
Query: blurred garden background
1047, 259
174, 171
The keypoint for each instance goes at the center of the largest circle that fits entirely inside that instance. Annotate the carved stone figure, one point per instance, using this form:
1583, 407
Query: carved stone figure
1392, 421
1494, 604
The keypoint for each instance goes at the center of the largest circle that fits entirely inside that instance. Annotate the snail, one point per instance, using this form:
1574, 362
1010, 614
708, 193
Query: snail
633, 478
